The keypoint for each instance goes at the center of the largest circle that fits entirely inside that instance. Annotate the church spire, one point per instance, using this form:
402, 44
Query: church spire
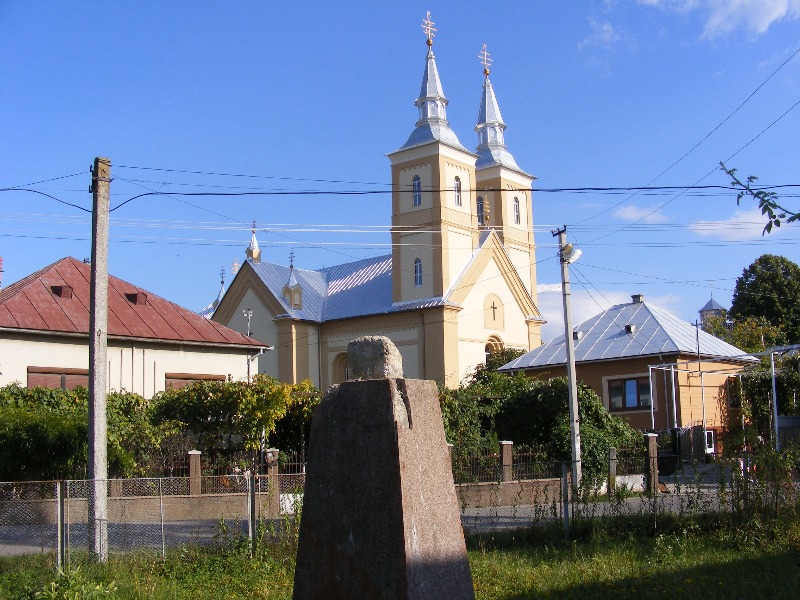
491, 148
253, 252
432, 103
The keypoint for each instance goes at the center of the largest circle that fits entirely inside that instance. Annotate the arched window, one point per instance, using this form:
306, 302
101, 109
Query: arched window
481, 217
416, 190
457, 190
494, 344
341, 369
516, 211
417, 272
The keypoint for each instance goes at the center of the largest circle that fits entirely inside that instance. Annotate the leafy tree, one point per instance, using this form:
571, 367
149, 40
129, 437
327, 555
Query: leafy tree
770, 288
232, 413
45, 431
539, 416
767, 200
751, 334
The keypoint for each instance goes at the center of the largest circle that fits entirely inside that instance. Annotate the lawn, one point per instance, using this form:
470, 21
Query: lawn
750, 562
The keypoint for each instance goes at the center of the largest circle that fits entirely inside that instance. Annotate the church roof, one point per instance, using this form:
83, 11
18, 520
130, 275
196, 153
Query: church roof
491, 148
712, 305
630, 330
56, 300
432, 125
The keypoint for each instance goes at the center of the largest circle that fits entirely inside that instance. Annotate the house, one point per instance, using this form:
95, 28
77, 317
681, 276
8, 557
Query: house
656, 370
153, 344
460, 281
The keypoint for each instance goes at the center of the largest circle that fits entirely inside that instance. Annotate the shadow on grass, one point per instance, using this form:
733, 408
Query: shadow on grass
772, 576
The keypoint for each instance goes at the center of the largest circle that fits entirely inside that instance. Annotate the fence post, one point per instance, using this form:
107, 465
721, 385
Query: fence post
650, 440
565, 490
61, 552
611, 487
506, 461
251, 512
195, 473
273, 483
450, 456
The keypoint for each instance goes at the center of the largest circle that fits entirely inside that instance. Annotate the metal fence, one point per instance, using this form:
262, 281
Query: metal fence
160, 513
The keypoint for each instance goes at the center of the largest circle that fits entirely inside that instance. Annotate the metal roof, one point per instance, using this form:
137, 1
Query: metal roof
491, 148
712, 305
629, 331
56, 300
432, 125
355, 289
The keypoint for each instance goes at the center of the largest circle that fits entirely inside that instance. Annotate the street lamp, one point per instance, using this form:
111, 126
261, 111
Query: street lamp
568, 254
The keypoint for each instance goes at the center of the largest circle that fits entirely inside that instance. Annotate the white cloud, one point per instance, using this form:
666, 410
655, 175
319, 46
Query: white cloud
742, 225
645, 214
725, 16
604, 35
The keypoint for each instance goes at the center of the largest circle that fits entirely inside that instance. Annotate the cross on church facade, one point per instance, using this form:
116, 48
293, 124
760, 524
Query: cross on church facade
494, 311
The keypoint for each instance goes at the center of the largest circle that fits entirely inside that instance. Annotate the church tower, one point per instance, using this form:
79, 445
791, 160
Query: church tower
434, 220
503, 188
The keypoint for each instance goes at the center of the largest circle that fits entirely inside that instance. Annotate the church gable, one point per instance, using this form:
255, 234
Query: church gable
490, 270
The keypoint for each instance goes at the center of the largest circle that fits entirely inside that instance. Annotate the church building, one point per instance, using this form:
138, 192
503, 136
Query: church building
461, 279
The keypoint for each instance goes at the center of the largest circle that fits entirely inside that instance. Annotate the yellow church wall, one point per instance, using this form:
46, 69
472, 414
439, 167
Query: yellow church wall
473, 333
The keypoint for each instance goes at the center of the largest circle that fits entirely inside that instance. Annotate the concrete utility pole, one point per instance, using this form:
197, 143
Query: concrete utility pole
98, 342
566, 255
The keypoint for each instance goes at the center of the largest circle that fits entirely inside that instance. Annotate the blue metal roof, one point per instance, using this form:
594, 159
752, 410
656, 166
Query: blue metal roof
650, 331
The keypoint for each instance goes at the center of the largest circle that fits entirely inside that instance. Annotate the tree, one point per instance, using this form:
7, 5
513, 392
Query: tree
539, 416
767, 200
751, 334
233, 413
770, 288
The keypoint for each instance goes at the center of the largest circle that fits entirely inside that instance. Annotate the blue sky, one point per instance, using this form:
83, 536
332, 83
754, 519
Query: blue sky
311, 96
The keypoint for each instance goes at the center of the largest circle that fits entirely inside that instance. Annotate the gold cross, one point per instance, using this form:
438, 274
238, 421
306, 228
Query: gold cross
485, 60
427, 27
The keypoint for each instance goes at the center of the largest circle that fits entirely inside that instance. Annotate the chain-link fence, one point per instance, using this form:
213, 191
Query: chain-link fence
160, 513
155, 513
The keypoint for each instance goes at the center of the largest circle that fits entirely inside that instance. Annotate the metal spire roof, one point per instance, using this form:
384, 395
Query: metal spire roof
630, 330
712, 305
208, 311
432, 125
491, 148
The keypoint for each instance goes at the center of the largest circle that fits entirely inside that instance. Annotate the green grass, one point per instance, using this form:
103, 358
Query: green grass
691, 561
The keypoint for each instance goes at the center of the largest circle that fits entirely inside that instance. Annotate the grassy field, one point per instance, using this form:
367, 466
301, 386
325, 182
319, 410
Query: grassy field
750, 562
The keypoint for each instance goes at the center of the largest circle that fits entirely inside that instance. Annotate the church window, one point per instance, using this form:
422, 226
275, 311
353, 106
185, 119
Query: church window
494, 344
417, 272
341, 368
516, 211
481, 215
416, 186
457, 190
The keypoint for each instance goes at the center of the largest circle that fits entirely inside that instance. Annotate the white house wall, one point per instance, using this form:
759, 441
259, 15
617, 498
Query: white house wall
133, 367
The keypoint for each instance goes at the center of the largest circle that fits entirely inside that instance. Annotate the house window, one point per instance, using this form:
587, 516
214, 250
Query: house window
516, 211
177, 381
629, 394
457, 190
416, 186
57, 378
417, 272
481, 217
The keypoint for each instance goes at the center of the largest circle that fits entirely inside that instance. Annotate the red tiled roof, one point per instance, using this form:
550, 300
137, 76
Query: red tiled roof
32, 303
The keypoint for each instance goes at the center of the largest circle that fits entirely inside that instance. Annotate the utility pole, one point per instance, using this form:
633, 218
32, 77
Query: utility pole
566, 255
98, 343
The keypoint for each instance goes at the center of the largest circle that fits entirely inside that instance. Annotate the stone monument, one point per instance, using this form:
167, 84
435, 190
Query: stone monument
380, 515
